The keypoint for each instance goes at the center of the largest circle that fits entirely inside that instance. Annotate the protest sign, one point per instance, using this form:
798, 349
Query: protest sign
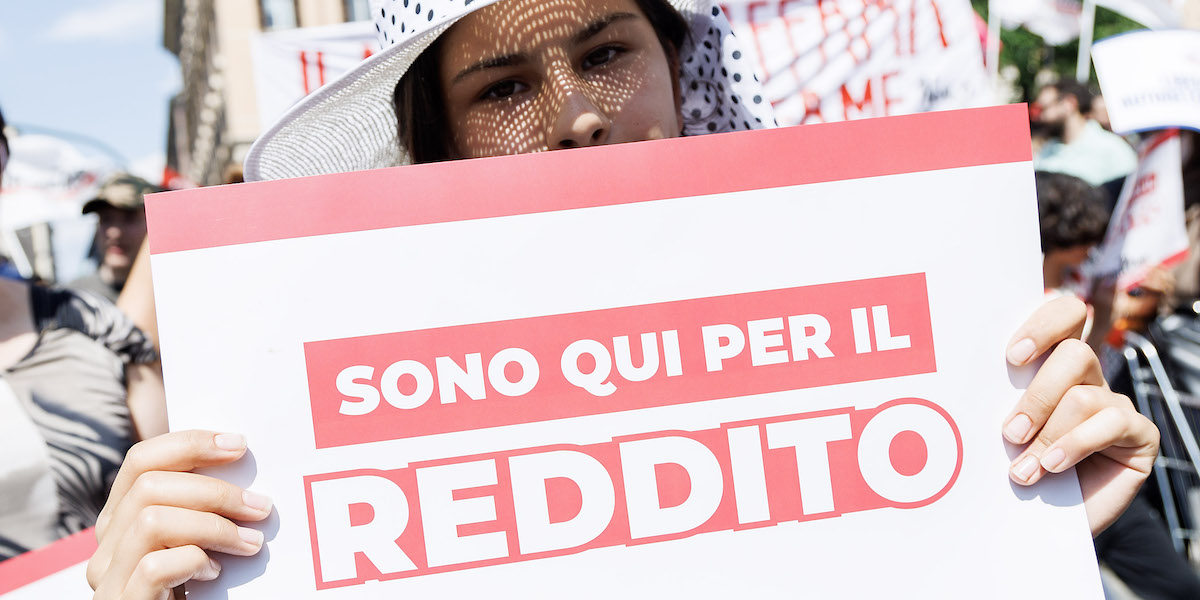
1147, 229
1142, 90
841, 60
1056, 21
56, 571
759, 364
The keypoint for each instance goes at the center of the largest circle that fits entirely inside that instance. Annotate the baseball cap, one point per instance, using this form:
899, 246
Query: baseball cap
123, 191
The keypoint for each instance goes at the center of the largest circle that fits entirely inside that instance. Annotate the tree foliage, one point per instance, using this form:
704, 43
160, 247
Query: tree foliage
1031, 55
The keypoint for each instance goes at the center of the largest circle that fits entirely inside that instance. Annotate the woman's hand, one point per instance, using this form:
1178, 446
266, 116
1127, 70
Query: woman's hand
1069, 417
160, 519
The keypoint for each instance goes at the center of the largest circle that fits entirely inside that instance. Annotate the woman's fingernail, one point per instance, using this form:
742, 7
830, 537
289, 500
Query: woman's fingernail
216, 567
1018, 427
230, 441
1026, 468
253, 537
1054, 459
1020, 352
256, 501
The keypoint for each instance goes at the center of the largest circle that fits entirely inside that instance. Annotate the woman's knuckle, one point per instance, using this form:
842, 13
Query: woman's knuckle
1038, 402
145, 488
95, 570
155, 568
151, 520
1077, 352
139, 456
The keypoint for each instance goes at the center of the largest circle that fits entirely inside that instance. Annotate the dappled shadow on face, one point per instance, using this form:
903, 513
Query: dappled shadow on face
533, 75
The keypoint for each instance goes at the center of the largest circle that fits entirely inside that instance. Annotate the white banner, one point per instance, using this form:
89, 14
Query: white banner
843, 60
1155, 14
46, 183
1147, 228
1057, 21
1142, 89
290, 64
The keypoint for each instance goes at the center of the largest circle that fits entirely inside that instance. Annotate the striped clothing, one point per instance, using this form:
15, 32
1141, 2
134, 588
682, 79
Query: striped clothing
71, 388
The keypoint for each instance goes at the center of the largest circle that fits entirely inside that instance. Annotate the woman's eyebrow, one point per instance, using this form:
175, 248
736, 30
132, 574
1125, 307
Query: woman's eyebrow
510, 60
595, 27
592, 30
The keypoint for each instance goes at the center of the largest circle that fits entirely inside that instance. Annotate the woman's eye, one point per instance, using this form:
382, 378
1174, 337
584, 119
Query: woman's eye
600, 56
503, 89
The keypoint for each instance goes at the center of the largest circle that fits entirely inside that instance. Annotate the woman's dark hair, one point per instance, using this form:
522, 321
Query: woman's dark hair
1071, 211
3, 138
419, 99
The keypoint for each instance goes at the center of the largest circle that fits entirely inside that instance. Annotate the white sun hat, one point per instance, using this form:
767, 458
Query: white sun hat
350, 124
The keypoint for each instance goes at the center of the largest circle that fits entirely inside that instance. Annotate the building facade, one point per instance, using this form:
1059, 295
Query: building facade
214, 118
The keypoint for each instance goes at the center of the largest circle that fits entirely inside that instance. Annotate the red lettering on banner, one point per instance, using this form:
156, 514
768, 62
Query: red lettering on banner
321, 67
304, 71
888, 99
812, 107
401, 385
937, 14
538, 503
848, 101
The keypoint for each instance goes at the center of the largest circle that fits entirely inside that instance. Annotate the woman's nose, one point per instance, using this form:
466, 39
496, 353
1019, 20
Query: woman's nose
579, 120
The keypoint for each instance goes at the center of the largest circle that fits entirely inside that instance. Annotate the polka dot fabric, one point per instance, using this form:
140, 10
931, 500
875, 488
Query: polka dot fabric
350, 124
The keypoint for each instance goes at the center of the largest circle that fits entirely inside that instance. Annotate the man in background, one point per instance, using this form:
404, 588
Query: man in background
1078, 145
120, 207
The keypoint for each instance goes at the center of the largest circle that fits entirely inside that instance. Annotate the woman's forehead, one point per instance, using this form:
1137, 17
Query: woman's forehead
515, 26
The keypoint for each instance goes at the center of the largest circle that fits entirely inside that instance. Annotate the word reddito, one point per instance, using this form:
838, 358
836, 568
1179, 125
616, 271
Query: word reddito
537, 503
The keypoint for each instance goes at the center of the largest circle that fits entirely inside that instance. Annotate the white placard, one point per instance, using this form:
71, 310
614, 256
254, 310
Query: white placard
444, 371
1150, 79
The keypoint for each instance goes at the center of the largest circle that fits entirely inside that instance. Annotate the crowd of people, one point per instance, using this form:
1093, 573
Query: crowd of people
81, 383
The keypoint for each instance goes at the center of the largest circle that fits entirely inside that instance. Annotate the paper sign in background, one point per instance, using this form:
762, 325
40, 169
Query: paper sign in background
948, 196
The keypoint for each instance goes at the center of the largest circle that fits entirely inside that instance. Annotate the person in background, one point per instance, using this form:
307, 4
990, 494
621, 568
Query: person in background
1078, 145
77, 389
120, 207
1099, 112
1073, 221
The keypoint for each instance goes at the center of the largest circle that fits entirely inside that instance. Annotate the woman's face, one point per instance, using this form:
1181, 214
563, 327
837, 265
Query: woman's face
531, 75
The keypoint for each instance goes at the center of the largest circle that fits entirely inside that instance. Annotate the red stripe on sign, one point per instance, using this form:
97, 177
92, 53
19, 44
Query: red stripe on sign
304, 71
466, 377
583, 178
22, 570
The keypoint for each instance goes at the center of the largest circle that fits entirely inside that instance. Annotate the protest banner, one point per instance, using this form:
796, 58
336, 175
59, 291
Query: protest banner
1147, 228
819, 62
841, 60
759, 364
56, 571
1056, 21
1141, 90
292, 63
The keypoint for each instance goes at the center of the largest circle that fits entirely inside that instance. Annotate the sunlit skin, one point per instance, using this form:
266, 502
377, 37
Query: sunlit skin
534, 75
